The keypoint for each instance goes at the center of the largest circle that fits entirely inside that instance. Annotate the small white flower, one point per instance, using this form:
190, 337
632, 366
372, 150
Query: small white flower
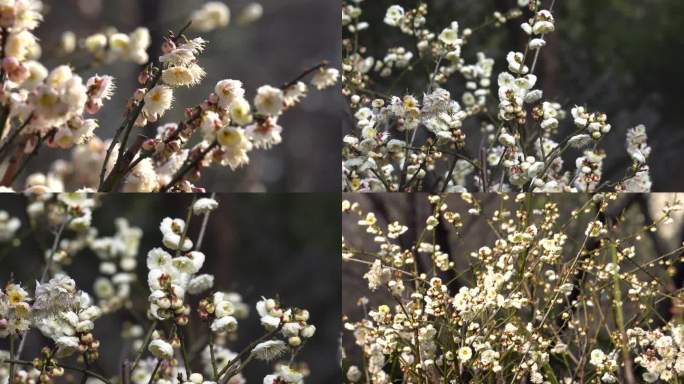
157, 101
200, 283
325, 78
66, 345
212, 15
183, 76
597, 357
515, 63
464, 354
223, 308
308, 331
354, 374
449, 36
158, 258
240, 111
228, 91
161, 349
394, 15
172, 230
269, 350
269, 100
224, 324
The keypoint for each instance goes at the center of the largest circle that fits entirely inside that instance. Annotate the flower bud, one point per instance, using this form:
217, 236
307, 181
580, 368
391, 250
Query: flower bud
294, 341
149, 145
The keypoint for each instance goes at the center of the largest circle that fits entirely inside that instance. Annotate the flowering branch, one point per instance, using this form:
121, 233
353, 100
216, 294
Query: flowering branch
547, 259
51, 106
192, 163
75, 369
518, 147
226, 369
132, 116
66, 315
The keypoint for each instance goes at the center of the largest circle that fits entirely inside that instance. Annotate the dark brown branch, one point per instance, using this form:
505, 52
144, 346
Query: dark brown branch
122, 168
189, 165
304, 74
132, 116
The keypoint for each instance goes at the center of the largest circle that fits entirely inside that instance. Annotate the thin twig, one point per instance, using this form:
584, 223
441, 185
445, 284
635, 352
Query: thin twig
131, 117
30, 157
203, 229
248, 349
44, 275
67, 367
4, 146
213, 357
156, 368
125, 369
11, 354
304, 74
53, 250
189, 165
146, 342
184, 352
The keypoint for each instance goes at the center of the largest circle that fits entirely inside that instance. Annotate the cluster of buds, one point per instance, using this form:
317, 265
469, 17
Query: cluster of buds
15, 310
88, 346
48, 366
292, 322
595, 122
161, 348
296, 328
114, 46
589, 170
166, 301
170, 277
221, 311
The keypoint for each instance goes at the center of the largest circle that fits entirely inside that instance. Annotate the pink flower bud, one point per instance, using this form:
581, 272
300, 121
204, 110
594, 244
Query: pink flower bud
10, 63
139, 94
174, 145
168, 46
189, 112
149, 145
15, 71
143, 77
92, 107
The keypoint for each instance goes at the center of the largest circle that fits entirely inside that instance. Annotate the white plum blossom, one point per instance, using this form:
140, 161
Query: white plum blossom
269, 350
437, 153
161, 349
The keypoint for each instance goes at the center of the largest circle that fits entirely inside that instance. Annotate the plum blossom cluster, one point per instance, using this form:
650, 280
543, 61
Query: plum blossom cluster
8, 226
228, 126
292, 323
15, 310
170, 276
118, 262
497, 133
55, 107
553, 295
158, 352
67, 316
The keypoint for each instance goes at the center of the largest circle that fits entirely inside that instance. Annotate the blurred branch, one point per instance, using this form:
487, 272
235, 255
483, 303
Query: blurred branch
67, 367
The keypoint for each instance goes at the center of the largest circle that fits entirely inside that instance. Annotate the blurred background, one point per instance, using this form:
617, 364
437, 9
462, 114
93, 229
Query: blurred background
291, 36
621, 57
278, 245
